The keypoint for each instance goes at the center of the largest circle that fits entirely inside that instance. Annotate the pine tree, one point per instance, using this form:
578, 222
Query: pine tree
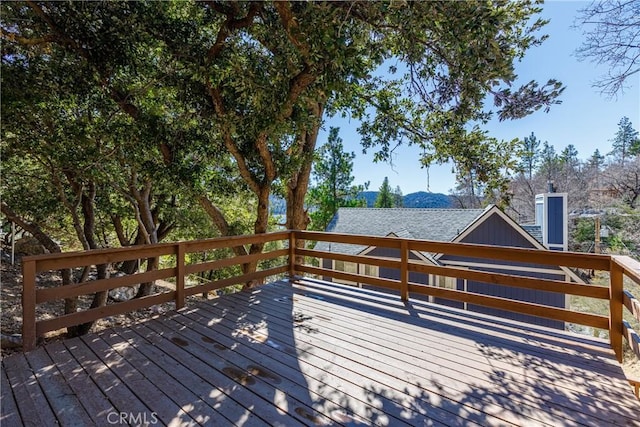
333, 187
530, 154
398, 198
385, 196
625, 144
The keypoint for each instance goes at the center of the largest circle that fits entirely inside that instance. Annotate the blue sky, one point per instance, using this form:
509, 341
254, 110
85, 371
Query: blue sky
586, 118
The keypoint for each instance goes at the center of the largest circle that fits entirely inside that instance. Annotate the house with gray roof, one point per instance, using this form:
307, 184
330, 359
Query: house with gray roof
490, 226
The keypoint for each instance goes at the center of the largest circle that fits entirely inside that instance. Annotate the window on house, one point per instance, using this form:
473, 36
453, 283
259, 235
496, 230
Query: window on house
447, 282
347, 267
369, 270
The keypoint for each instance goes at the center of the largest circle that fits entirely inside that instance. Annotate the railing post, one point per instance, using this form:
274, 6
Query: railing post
615, 308
180, 275
404, 270
292, 255
28, 305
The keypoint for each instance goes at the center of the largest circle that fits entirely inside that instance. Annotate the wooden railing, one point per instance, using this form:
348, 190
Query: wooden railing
32, 328
617, 266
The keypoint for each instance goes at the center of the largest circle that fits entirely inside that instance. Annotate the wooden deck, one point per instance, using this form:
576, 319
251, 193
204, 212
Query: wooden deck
319, 354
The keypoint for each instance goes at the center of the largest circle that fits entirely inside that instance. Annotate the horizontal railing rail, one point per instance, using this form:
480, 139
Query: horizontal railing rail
33, 328
618, 267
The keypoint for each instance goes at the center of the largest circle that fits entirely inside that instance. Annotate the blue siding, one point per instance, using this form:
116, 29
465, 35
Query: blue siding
496, 231
555, 219
551, 299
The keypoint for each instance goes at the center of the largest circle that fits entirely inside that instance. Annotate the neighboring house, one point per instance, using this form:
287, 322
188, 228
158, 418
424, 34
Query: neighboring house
488, 226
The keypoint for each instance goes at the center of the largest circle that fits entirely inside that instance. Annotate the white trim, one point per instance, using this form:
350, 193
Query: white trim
485, 215
418, 254
543, 199
360, 270
537, 245
558, 272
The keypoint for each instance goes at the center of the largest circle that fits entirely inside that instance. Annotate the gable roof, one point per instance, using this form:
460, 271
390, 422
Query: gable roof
441, 225
534, 230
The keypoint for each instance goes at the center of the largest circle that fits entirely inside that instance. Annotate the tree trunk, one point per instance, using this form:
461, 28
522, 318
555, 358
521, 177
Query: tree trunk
141, 201
260, 227
99, 298
220, 222
71, 304
298, 184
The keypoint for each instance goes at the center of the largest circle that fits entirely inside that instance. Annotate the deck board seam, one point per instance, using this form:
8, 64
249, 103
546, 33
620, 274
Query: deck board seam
195, 317
539, 348
263, 305
380, 372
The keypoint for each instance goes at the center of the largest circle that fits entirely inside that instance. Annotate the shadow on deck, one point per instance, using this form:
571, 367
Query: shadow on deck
319, 354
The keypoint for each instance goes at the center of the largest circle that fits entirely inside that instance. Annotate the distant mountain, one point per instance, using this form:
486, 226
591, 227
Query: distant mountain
369, 196
421, 199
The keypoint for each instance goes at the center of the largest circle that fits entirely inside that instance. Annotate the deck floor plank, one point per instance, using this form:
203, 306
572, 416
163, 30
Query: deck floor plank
236, 388
180, 394
91, 397
64, 402
228, 410
121, 397
590, 390
464, 329
388, 345
284, 371
369, 363
314, 353
593, 353
323, 377
32, 404
331, 357
160, 405
263, 383
9, 415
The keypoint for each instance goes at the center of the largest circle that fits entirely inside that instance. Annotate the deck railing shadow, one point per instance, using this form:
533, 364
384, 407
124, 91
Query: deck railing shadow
499, 345
617, 266
478, 328
495, 339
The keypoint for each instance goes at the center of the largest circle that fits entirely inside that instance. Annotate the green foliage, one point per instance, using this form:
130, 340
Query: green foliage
596, 161
530, 155
386, 197
626, 143
569, 156
455, 61
398, 198
180, 101
550, 163
584, 231
333, 181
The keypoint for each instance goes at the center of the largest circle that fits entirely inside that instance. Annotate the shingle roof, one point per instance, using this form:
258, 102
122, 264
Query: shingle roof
534, 230
428, 224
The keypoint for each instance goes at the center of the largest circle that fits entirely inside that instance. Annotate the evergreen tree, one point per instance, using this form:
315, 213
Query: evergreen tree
530, 155
596, 161
385, 196
398, 198
333, 187
549, 162
625, 144
569, 156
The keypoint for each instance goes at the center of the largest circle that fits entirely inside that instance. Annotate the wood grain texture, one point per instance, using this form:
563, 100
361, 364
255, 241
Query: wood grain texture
317, 353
